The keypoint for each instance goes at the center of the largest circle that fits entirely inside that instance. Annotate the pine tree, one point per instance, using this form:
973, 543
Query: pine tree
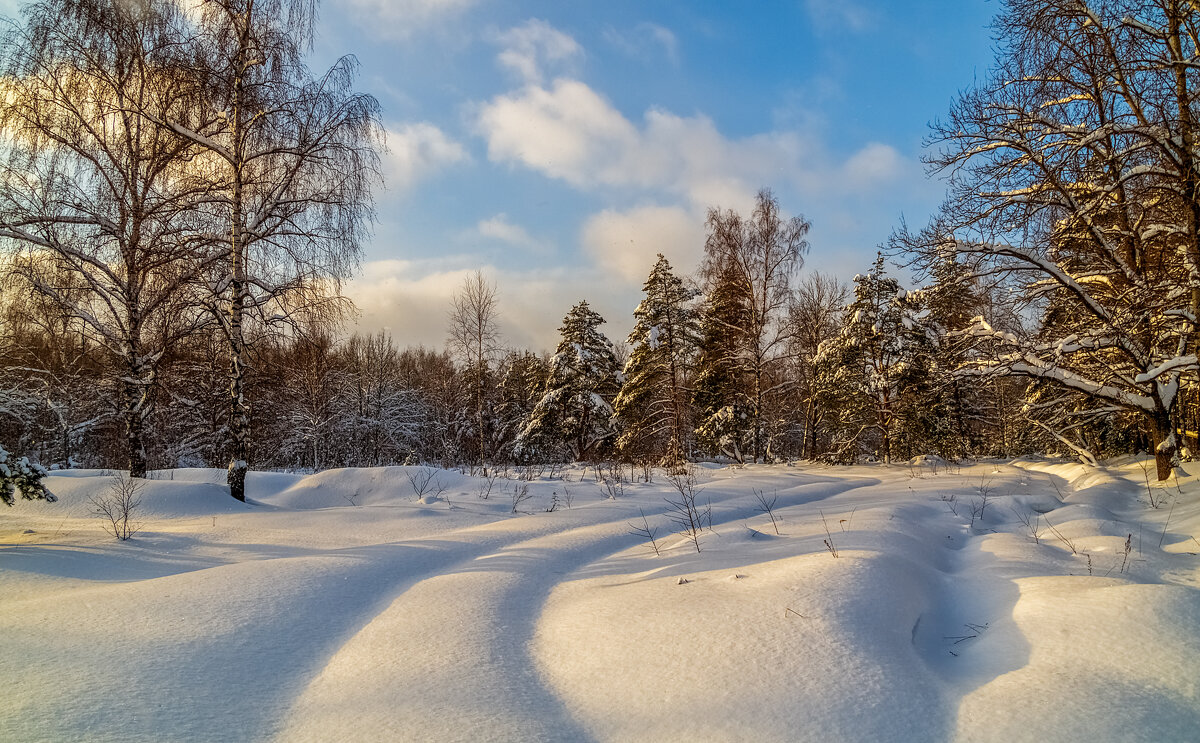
957, 406
874, 370
523, 376
719, 391
24, 477
574, 414
653, 405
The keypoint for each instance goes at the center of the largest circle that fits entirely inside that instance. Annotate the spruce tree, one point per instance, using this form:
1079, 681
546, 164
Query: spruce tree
957, 405
22, 476
874, 370
652, 406
719, 397
574, 415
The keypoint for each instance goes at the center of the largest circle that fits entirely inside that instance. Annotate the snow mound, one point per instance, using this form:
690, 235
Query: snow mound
377, 486
161, 499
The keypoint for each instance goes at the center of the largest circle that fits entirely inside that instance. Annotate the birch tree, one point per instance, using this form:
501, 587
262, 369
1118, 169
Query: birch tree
293, 160
98, 202
475, 339
756, 258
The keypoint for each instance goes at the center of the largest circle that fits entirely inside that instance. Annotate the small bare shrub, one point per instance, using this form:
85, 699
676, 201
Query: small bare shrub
767, 506
1032, 522
425, 480
684, 512
520, 494
979, 505
118, 506
951, 502
646, 532
1061, 537
611, 478
485, 487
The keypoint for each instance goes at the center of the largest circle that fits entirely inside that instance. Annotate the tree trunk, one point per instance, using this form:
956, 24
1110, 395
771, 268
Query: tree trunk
134, 430
239, 414
1166, 447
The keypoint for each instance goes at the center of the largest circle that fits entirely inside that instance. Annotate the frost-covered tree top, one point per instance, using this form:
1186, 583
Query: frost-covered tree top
665, 308
575, 410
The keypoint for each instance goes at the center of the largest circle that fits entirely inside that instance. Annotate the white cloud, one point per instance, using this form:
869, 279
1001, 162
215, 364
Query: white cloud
570, 132
399, 19
645, 41
625, 243
500, 228
530, 47
417, 151
841, 14
411, 300
874, 163
567, 131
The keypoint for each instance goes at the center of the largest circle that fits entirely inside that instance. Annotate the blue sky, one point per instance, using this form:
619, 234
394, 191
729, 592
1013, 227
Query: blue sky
558, 146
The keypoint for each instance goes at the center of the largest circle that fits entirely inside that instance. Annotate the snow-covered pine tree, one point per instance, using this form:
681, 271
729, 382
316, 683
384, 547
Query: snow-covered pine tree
523, 377
574, 415
957, 405
880, 355
22, 476
652, 406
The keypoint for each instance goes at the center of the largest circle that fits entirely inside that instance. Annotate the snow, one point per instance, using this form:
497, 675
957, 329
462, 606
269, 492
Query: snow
990, 602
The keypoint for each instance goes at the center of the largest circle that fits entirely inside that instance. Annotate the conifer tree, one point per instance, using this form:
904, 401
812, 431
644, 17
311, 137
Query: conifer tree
574, 415
880, 356
22, 476
952, 301
522, 376
755, 259
653, 405
719, 391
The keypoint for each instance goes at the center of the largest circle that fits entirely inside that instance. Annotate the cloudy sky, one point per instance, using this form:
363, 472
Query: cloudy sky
558, 146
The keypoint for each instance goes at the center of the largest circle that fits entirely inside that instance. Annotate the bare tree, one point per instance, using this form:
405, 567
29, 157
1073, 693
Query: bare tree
1074, 175
292, 162
760, 256
474, 338
101, 202
118, 507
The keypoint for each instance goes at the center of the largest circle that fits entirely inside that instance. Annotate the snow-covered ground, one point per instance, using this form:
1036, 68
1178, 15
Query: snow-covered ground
992, 602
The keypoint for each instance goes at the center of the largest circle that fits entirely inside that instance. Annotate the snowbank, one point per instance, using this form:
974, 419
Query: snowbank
1028, 600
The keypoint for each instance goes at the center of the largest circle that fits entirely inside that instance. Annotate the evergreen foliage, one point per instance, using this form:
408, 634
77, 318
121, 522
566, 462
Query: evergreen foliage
719, 394
652, 406
574, 415
22, 476
876, 371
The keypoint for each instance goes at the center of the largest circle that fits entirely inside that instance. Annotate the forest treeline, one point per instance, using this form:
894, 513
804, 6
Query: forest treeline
180, 197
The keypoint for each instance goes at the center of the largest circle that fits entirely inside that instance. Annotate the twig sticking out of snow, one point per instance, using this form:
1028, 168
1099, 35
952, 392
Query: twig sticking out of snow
829, 545
646, 532
767, 506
